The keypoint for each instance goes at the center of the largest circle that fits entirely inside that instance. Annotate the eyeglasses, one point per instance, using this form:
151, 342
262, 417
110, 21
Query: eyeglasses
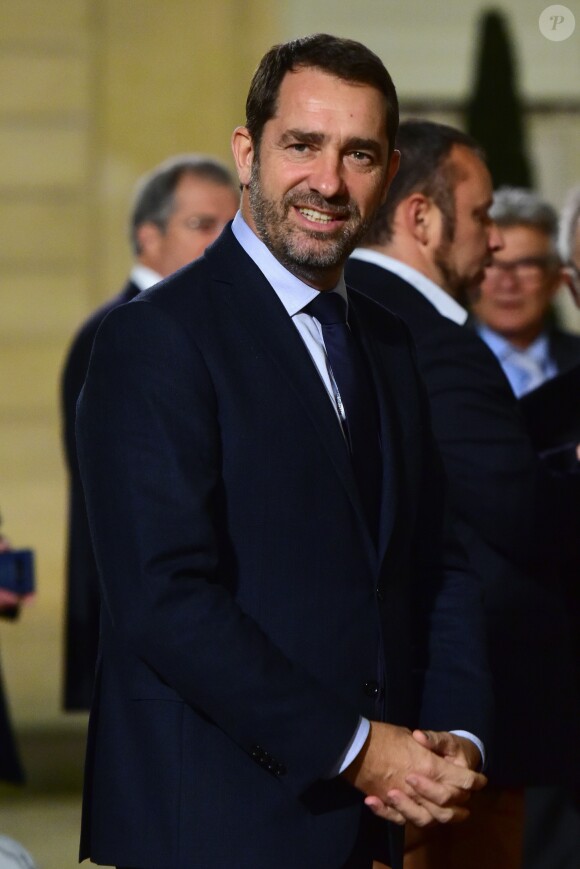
204, 223
527, 268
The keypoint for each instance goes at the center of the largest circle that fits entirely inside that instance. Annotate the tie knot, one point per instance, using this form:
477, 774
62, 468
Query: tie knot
328, 308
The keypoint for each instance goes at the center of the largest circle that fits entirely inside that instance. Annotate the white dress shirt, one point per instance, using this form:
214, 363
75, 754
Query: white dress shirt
525, 369
442, 301
143, 277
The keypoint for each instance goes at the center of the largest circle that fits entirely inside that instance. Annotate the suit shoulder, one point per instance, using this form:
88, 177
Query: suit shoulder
193, 290
79, 352
372, 307
85, 335
567, 343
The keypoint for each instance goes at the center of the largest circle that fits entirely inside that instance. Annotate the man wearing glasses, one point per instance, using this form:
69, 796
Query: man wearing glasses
513, 305
423, 256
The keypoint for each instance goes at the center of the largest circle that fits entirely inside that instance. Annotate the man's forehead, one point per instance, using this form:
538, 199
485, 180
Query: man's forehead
192, 188
310, 86
472, 177
523, 235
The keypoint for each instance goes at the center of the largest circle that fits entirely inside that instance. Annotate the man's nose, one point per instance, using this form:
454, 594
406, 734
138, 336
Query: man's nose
327, 176
495, 238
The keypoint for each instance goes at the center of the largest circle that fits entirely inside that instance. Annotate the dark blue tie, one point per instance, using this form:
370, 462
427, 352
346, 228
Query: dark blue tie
356, 399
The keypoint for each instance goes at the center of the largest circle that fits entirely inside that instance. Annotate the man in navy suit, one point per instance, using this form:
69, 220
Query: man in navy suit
270, 635
424, 253
180, 207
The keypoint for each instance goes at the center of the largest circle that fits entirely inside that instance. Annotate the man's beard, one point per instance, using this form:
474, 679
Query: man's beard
290, 243
460, 287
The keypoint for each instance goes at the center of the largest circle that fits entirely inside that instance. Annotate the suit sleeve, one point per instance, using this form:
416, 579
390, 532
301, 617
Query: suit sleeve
450, 643
82, 595
150, 456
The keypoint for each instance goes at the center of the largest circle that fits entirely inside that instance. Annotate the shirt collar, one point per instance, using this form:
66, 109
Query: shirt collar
440, 300
292, 292
144, 277
538, 350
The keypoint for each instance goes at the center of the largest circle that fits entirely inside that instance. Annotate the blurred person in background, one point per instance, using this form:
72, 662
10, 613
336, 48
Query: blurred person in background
513, 307
11, 769
553, 413
423, 255
179, 208
569, 242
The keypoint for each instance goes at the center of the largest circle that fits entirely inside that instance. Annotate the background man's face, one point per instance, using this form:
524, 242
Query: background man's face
573, 270
201, 210
462, 260
322, 172
519, 286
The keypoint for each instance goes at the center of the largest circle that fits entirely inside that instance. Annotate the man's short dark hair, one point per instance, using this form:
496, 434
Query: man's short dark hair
344, 58
154, 199
425, 168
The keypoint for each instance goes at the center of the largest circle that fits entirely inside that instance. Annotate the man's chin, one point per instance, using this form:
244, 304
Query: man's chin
463, 294
320, 251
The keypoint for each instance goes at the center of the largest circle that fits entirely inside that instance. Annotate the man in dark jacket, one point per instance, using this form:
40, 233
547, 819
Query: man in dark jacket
424, 253
180, 207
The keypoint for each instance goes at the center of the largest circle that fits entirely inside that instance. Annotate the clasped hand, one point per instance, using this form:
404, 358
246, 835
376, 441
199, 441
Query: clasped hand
422, 776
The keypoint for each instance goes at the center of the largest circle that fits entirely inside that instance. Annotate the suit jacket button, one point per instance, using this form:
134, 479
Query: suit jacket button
380, 595
371, 688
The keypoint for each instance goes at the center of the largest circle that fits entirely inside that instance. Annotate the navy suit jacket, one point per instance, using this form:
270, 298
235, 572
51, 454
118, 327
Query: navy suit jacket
564, 349
248, 617
512, 516
82, 582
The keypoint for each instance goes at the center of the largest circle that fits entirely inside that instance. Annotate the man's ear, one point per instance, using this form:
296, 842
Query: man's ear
422, 218
243, 151
149, 237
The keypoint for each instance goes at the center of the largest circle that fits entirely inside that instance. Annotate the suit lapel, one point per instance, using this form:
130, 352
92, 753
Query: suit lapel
257, 306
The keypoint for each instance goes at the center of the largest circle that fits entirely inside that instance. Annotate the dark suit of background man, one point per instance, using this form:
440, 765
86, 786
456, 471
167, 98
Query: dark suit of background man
512, 313
553, 410
266, 626
180, 207
425, 250
512, 306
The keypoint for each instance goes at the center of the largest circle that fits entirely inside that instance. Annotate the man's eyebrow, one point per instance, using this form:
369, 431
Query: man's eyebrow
359, 144
310, 137
302, 136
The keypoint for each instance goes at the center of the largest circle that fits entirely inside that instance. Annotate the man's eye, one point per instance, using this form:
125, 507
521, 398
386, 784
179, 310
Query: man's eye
361, 157
300, 147
201, 224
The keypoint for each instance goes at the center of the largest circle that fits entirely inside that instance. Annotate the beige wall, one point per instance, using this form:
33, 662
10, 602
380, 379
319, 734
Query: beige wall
92, 93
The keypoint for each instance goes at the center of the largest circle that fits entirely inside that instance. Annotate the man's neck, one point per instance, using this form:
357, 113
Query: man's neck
443, 302
410, 255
